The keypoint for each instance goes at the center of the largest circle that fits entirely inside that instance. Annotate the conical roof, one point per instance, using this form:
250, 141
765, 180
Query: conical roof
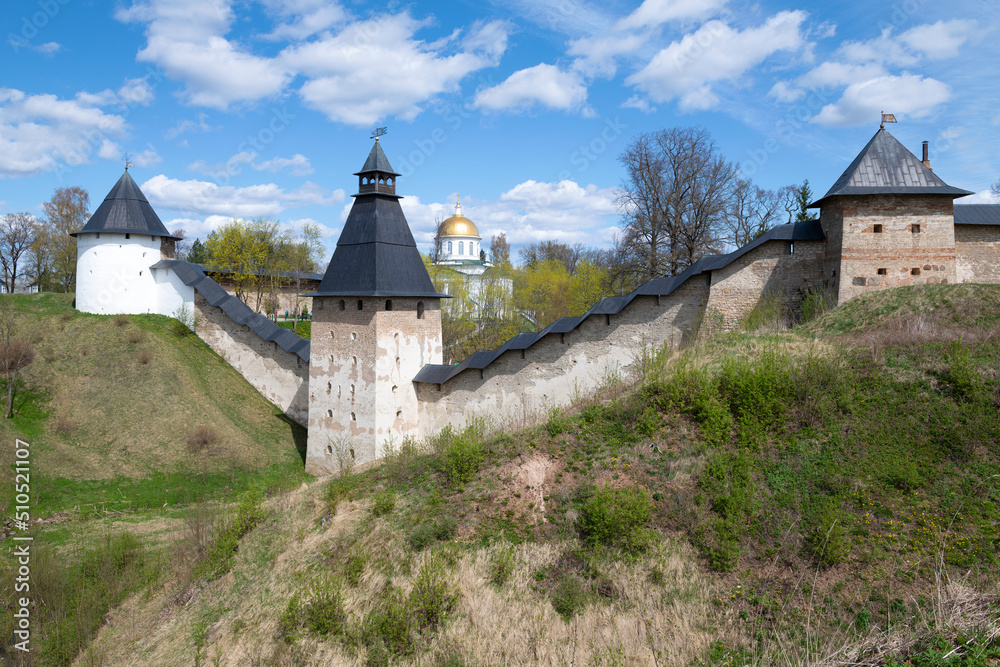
125, 211
377, 161
885, 166
376, 254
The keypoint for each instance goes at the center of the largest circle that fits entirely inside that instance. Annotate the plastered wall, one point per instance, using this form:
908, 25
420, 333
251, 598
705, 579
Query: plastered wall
977, 250
281, 377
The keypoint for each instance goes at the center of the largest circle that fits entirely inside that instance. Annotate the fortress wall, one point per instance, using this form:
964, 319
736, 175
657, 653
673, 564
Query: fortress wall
280, 376
786, 267
977, 248
561, 366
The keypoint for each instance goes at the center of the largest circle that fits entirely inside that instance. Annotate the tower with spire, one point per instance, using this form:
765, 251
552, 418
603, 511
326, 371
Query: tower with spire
888, 221
115, 251
376, 323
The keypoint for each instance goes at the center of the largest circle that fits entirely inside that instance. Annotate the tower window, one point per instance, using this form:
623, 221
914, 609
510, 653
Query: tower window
915, 229
877, 229
420, 310
914, 272
341, 306
883, 272
354, 417
791, 248
461, 248
361, 304
127, 236
388, 304
449, 247
98, 235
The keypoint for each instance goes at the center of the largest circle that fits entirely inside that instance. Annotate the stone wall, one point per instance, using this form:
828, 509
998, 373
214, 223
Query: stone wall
890, 241
978, 252
280, 376
521, 385
788, 268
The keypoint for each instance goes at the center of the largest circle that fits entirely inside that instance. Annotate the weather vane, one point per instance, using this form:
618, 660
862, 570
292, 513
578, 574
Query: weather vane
378, 132
887, 118
128, 160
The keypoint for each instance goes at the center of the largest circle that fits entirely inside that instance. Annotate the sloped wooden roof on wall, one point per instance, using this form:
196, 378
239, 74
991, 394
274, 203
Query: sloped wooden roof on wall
125, 211
885, 166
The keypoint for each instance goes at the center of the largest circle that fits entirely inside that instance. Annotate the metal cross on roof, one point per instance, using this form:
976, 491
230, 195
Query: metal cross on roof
378, 132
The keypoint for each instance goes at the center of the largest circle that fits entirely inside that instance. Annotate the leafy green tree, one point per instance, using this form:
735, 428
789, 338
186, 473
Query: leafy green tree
198, 253
65, 213
588, 284
252, 254
803, 196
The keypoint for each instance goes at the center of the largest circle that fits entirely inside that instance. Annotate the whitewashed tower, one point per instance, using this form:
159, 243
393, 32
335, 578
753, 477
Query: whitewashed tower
115, 253
376, 323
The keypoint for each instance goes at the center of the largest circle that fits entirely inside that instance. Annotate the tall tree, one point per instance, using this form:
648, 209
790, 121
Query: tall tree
995, 189
305, 252
552, 250
673, 200
753, 210
803, 196
65, 213
500, 249
251, 254
197, 254
182, 247
17, 233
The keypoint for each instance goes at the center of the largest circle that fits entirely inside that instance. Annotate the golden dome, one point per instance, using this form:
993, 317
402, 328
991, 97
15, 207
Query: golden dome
458, 225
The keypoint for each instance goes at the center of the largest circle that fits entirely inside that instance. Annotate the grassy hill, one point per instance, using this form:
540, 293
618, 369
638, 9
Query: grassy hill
826, 495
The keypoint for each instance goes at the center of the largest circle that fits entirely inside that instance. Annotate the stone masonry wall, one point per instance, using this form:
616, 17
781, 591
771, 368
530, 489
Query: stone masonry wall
788, 268
894, 240
977, 248
519, 387
279, 376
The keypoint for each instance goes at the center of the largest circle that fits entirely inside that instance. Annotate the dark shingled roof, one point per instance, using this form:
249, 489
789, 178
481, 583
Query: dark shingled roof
376, 254
884, 166
377, 161
192, 276
125, 211
977, 214
612, 305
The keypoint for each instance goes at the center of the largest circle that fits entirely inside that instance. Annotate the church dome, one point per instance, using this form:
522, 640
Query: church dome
458, 225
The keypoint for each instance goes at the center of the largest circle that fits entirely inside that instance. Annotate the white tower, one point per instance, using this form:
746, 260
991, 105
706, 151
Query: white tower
115, 256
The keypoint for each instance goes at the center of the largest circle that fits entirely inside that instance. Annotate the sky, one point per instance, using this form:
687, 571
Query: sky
244, 109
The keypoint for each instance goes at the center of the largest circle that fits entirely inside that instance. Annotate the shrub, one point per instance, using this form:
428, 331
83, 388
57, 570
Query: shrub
388, 627
758, 390
617, 518
355, 567
826, 539
121, 320
324, 613
446, 528
421, 536
135, 336
144, 356
770, 313
816, 301
461, 453
290, 619
385, 503
569, 597
337, 489
432, 597
961, 375
502, 565
714, 420
200, 438
219, 556
556, 424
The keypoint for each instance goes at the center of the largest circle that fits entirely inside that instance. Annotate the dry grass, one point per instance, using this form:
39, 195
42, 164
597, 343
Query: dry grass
135, 336
201, 438
121, 320
144, 356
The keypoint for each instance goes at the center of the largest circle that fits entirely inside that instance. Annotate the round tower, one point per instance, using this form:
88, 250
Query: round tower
376, 323
116, 251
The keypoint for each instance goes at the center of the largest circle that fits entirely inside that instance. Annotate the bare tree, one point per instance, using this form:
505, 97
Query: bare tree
436, 249
17, 233
753, 210
995, 189
673, 201
543, 251
500, 249
65, 213
16, 351
183, 245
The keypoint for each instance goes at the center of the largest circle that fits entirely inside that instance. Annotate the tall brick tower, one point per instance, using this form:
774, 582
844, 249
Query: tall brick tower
376, 323
888, 222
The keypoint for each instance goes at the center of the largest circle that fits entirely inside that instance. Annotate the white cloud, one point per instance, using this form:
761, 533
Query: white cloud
376, 68
109, 150
836, 74
907, 95
147, 158
188, 125
596, 56
640, 103
203, 198
303, 18
654, 12
785, 93
940, 40
981, 197
186, 39
48, 48
297, 165
715, 52
543, 84
135, 91
41, 133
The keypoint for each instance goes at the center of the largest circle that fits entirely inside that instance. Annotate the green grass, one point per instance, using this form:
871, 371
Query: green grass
304, 329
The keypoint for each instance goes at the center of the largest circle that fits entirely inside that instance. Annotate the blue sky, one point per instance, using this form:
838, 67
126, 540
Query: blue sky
244, 109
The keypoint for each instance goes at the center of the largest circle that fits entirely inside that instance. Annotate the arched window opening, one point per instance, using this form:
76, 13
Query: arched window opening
361, 304
388, 304
342, 305
420, 310
461, 248
449, 248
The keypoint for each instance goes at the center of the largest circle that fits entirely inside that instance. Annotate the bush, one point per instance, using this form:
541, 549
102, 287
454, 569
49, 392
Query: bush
121, 320
219, 556
421, 536
770, 313
355, 567
816, 301
758, 390
446, 528
617, 518
827, 540
502, 565
569, 597
388, 627
144, 356
290, 619
200, 438
385, 503
324, 613
432, 597
961, 375
135, 336
461, 454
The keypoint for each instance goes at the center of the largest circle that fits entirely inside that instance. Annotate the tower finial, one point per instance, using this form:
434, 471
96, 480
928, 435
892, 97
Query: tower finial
887, 118
128, 160
458, 204
378, 132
